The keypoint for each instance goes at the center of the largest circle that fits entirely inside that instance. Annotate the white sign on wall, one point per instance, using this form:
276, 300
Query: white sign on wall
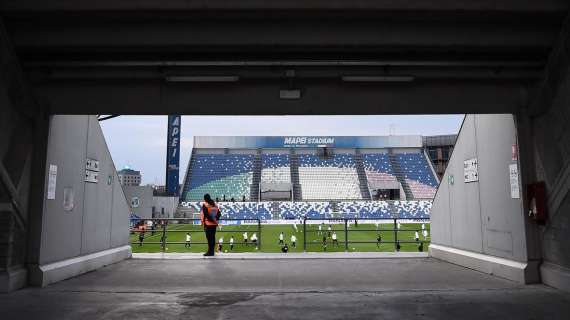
91, 164
514, 179
52, 179
91, 170
135, 202
471, 170
91, 176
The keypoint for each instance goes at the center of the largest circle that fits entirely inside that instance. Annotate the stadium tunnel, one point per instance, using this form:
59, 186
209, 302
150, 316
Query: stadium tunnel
69, 58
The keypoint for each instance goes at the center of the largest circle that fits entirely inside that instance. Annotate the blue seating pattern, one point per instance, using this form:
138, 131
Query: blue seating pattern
240, 210
378, 168
298, 210
364, 209
416, 209
219, 174
418, 174
413, 209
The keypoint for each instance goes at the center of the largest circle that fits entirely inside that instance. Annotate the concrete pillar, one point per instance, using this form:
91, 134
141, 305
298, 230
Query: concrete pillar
21, 159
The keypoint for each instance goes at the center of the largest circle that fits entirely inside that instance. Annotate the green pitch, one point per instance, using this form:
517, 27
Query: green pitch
269, 235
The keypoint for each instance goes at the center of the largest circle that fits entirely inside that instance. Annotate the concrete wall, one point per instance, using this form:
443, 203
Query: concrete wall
545, 125
169, 204
23, 131
481, 217
144, 194
99, 218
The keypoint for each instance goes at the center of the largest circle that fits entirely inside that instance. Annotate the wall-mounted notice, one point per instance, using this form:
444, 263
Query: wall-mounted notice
68, 199
91, 164
91, 176
52, 179
471, 170
514, 179
135, 202
91, 170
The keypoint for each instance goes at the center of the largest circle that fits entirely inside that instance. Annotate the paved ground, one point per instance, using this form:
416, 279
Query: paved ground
418, 288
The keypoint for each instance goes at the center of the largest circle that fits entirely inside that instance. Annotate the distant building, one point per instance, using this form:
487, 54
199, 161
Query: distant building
159, 190
439, 149
129, 177
140, 200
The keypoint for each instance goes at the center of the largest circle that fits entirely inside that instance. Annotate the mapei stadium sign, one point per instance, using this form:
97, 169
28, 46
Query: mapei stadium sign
308, 142
173, 155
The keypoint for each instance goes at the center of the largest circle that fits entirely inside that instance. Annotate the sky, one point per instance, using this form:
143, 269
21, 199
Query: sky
140, 141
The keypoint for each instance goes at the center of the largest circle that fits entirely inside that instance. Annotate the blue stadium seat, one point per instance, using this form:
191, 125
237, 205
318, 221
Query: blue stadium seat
418, 174
378, 168
416, 209
219, 174
299, 210
364, 209
413, 209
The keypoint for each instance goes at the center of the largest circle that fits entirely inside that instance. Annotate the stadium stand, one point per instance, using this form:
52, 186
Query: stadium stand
413, 209
246, 210
365, 209
324, 183
275, 168
240, 210
418, 174
228, 175
378, 168
334, 177
297, 210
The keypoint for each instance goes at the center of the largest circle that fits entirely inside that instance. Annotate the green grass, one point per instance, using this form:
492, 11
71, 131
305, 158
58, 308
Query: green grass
270, 238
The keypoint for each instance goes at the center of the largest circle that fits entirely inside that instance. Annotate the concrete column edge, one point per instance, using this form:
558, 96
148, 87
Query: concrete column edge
521, 272
42, 275
555, 276
13, 279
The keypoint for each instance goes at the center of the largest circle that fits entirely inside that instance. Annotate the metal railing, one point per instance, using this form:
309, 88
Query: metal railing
161, 226
345, 222
391, 225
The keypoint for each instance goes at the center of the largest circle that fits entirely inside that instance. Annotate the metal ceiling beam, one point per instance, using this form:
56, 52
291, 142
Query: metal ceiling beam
532, 6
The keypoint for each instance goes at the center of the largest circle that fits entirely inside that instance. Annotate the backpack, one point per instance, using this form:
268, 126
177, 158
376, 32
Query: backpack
210, 215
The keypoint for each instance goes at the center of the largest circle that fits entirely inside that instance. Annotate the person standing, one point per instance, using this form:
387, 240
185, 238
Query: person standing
220, 244
334, 240
254, 240
188, 239
141, 237
281, 236
245, 238
293, 241
425, 234
209, 216
329, 230
378, 240
231, 243
417, 236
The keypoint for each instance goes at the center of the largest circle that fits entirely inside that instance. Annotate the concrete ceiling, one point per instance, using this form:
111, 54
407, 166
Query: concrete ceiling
344, 57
